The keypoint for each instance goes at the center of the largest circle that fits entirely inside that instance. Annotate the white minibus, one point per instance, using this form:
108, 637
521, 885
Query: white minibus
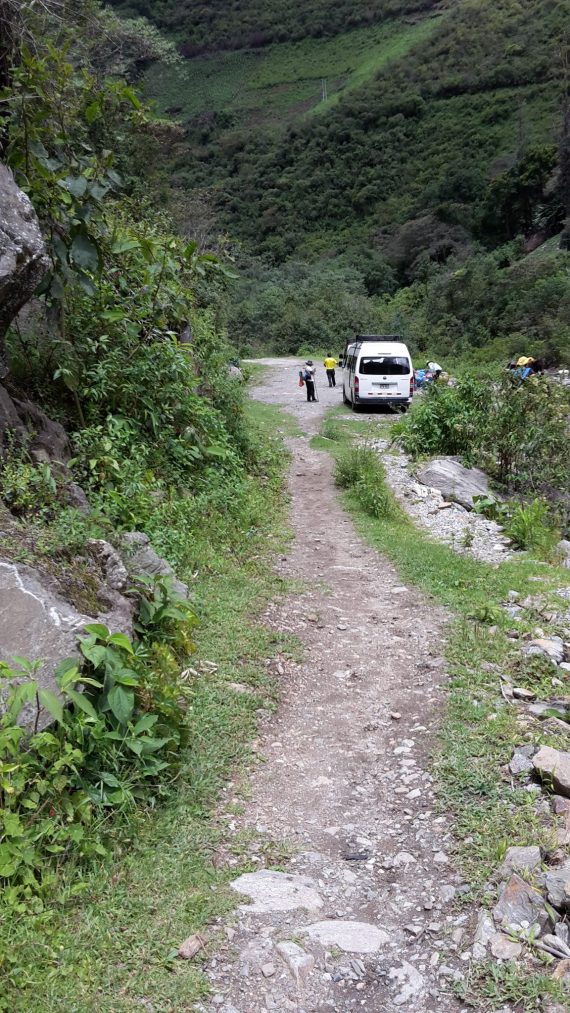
377, 369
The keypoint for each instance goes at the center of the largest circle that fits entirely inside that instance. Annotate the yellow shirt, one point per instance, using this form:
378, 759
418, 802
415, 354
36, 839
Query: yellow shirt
329, 363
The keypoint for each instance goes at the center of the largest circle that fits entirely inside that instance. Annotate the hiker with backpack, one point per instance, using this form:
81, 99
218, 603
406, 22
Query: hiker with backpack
307, 378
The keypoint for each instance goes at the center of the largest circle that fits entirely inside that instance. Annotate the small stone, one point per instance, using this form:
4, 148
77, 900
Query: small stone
191, 946
268, 970
395, 715
520, 693
519, 860
553, 766
342, 626
312, 618
520, 764
504, 948
414, 930
519, 903
409, 979
298, 960
440, 858
484, 932
557, 883
552, 648
277, 891
562, 972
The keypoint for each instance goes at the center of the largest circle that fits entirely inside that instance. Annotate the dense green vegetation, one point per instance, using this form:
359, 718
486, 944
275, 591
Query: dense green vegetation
438, 141
256, 24
123, 347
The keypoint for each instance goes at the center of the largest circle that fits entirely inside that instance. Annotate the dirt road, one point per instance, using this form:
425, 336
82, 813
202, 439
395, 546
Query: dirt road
364, 915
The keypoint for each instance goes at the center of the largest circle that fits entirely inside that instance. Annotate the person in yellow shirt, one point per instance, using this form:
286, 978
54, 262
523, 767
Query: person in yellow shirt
330, 365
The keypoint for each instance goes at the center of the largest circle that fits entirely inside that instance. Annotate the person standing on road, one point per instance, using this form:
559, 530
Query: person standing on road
307, 373
330, 366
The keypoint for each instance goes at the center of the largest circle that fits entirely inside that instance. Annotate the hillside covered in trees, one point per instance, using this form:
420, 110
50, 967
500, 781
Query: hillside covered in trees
387, 146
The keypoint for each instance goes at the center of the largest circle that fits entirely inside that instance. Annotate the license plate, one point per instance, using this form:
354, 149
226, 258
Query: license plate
383, 385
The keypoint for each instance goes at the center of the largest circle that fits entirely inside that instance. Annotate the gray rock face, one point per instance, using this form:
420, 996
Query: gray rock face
27, 424
552, 648
277, 891
35, 623
23, 257
141, 560
557, 884
553, 766
563, 548
299, 962
455, 482
111, 563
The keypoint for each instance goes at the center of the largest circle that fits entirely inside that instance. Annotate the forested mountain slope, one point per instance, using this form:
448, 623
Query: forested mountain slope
392, 139
256, 23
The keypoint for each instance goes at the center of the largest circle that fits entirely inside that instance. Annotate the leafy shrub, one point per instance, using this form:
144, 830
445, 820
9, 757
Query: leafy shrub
26, 487
105, 752
446, 420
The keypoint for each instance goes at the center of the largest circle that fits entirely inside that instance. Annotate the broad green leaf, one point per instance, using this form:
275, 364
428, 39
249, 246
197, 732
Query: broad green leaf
51, 703
98, 630
122, 703
113, 315
124, 245
92, 112
75, 185
121, 640
97, 654
84, 252
144, 723
125, 677
132, 98
82, 703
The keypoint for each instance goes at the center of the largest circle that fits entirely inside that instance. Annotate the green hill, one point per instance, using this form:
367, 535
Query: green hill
257, 23
389, 140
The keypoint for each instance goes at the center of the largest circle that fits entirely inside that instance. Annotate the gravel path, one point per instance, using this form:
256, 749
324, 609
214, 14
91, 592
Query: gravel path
364, 917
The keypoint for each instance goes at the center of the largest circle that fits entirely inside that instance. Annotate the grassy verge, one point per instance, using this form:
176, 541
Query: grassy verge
492, 811
114, 948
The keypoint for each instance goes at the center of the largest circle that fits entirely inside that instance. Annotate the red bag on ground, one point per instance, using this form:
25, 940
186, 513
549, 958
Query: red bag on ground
301, 382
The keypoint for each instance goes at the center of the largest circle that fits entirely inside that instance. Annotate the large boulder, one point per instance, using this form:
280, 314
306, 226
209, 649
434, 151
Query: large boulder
23, 257
36, 623
454, 481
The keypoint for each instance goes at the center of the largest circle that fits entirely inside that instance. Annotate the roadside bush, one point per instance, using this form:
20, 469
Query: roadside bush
116, 729
446, 420
517, 432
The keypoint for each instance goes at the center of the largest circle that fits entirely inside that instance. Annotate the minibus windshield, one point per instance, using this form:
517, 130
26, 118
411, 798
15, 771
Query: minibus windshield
385, 365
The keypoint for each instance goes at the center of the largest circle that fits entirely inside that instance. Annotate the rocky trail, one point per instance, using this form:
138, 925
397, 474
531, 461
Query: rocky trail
363, 917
